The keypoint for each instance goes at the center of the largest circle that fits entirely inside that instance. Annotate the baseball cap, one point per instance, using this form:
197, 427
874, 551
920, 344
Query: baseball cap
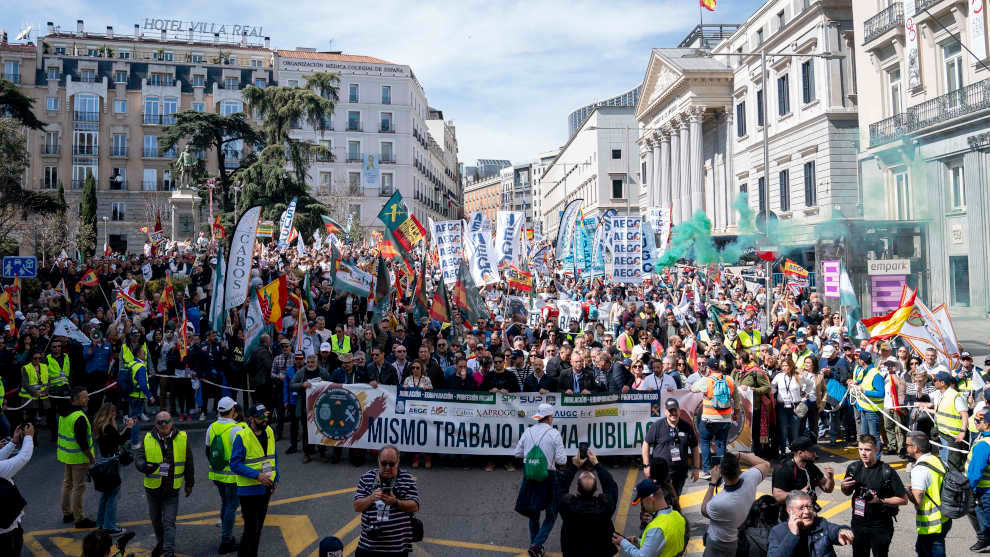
644, 489
712, 363
865, 356
544, 411
943, 376
671, 404
891, 361
331, 547
225, 404
325, 347
258, 410
828, 351
94, 321
965, 356
518, 354
984, 414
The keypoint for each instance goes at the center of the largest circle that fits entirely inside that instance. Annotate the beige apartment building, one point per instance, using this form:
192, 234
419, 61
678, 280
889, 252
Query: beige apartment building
925, 143
105, 98
483, 196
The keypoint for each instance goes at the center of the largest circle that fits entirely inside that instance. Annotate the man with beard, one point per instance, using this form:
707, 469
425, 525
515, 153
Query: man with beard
801, 473
671, 439
877, 492
586, 515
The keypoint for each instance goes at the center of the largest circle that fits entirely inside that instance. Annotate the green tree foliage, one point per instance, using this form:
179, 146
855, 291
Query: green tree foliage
87, 210
18, 106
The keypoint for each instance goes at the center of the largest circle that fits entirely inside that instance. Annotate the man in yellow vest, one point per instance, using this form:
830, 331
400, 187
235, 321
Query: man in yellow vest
167, 463
978, 474
255, 461
58, 368
75, 450
339, 342
34, 386
870, 401
927, 474
664, 535
951, 418
749, 337
140, 391
225, 428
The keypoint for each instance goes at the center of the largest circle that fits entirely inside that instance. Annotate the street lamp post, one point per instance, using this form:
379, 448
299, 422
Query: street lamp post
106, 232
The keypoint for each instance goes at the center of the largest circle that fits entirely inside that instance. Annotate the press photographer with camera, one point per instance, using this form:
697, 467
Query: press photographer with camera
387, 499
877, 492
801, 473
586, 514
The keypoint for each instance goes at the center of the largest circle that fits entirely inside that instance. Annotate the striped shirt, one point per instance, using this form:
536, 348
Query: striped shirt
393, 527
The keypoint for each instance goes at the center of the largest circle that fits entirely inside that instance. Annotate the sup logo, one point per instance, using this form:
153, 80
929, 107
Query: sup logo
338, 414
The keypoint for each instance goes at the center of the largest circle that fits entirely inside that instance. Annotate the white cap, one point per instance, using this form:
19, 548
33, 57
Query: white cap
225, 405
325, 347
828, 351
94, 321
544, 411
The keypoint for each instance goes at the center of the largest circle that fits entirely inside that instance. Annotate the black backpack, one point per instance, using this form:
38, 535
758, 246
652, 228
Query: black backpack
13, 503
955, 491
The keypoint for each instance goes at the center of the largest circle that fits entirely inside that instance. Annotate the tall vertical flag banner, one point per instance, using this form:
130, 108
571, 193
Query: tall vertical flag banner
565, 232
598, 244
402, 225
624, 237
977, 29
216, 296
447, 237
285, 224
254, 325
708, 4
238, 273
477, 250
383, 292
911, 36
508, 230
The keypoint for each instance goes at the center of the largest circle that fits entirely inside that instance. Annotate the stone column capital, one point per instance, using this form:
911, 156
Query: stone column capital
695, 113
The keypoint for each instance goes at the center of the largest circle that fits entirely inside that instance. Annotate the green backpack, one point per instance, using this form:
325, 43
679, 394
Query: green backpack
215, 454
535, 463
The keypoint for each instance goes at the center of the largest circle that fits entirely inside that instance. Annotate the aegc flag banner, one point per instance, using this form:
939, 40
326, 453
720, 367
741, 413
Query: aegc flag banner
460, 422
508, 232
477, 250
285, 224
238, 273
447, 239
625, 241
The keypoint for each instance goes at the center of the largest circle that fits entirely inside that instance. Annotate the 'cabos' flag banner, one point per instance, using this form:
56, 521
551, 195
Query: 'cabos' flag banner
285, 224
483, 423
238, 273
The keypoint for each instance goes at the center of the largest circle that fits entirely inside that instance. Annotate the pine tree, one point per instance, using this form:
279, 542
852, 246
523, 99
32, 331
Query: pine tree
87, 208
60, 198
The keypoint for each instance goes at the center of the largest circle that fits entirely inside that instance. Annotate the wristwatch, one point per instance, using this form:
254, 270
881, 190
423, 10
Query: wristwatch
710, 484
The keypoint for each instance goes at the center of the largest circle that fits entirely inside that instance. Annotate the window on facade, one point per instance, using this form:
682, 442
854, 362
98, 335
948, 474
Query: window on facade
353, 183
902, 197
354, 121
784, 181
119, 146
92, 51
118, 178
119, 76
231, 107
87, 76
762, 193
199, 81
53, 73
51, 178
387, 122
198, 107
151, 110
117, 212
616, 154
60, 51
741, 119
616, 188
167, 56
352, 93
196, 58
810, 190
781, 20
232, 83
387, 185
257, 63
167, 183
783, 95
759, 108
120, 106
169, 107
388, 155
80, 172
952, 54
124, 54
957, 186
959, 279
326, 179
894, 92
353, 151
51, 143
260, 83
759, 36
151, 146
51, 103
160, 79
293, 83
149, 181
386, 94
807, 81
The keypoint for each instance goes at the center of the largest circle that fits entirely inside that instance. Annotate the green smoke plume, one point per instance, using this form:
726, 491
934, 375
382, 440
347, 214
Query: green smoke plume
692, 239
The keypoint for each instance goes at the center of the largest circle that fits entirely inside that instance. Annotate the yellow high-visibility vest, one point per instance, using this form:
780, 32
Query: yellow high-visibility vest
255, 457
947, 418
153, 454
68, 450
929, 518
33, 380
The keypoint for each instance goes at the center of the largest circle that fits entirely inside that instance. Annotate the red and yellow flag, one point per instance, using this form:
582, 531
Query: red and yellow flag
218, 230
519, 279
708, 4
273, 298
885, 326
89, 278
791, 268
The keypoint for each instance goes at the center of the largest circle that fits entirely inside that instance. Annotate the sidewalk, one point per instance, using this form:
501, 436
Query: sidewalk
972, 333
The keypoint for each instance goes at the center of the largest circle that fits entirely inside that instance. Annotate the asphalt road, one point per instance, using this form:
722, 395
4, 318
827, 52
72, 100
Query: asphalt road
465, 512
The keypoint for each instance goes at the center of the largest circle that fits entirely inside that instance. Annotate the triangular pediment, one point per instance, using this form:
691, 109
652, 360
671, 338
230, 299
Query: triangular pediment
660, 76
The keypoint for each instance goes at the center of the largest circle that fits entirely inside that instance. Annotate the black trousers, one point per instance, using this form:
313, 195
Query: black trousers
872, 540
12, 542
254, 508
290, 416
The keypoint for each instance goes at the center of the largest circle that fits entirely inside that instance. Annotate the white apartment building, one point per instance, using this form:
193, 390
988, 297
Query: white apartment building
382, 113
599, 164
925, 143
811, 115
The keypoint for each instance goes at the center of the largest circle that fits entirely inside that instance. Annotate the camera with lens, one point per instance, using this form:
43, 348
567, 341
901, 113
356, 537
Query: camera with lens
814, 501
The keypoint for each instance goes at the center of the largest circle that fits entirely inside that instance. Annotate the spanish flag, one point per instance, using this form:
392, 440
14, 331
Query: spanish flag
885, 326
273, 299
791, 268
708, 4
519, 279
89, 278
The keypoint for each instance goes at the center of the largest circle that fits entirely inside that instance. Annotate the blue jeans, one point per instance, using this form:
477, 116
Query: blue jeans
106, 517
983, 513
228, 509
709, 431
538, 533
843, 418
137, 408
788, 425
4, 426
932, 545
872, 424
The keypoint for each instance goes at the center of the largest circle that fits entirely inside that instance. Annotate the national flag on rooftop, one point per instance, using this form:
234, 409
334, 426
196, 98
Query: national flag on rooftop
708, 4
885, 326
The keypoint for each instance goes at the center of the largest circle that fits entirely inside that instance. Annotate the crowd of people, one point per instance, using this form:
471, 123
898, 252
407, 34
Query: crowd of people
93, 385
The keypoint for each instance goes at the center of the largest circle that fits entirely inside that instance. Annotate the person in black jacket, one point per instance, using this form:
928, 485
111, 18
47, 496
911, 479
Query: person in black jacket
380, 371
539, 381
461, 380
500, 380
579, 375
586, 515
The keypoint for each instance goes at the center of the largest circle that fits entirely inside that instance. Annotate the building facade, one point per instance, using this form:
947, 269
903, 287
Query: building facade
575, 118
483, 196
811, 117
599, 165
105, 98
925, 142
382, 115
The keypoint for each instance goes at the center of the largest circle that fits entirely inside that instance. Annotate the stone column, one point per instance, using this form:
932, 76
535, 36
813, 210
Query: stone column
649, 177
656, 186
674, 183
697, 162
664, 166
731, 191
687, 207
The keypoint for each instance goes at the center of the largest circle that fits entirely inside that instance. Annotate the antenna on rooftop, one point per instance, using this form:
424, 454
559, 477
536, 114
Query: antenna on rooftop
25, 32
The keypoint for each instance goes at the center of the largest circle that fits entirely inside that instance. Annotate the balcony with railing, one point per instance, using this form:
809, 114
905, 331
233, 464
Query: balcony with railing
49, 184
14, 78
78, 183
355, 190
954, 104
116, 183
354, 127
152, 119
85, 150
48, 150
85, 116
168, 119
118, 151
149, 185
888, 18
388, 158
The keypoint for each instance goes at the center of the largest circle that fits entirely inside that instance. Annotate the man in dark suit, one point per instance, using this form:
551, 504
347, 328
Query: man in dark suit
579, 378
379, 371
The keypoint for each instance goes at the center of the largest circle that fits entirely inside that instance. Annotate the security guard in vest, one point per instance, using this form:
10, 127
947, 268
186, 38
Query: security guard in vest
750, 338
978, 474
255, 461
339, 342
131, 345
708, 334
664, 535
951, 418
225, 428
802, 353
140, 391
75, 450
58, 369
931, 524
34, 386
869, 402
167, 463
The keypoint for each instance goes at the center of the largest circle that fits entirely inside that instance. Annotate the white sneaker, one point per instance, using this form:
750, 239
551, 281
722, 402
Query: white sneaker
705, 476
219, 522
202, 415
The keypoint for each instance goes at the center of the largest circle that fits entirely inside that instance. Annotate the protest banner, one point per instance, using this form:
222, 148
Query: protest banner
238, 273
481, 423
624, 237
508, 232
447, 237
285, 224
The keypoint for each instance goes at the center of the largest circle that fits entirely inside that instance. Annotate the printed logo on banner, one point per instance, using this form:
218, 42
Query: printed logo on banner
338, 414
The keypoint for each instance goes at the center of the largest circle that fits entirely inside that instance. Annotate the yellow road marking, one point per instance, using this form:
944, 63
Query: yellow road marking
694, 546
625, 501
348, 527
349, 548
311, 496
836, 509
479, 546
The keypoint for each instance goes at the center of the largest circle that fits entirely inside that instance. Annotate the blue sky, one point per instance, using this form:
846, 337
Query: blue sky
508, 73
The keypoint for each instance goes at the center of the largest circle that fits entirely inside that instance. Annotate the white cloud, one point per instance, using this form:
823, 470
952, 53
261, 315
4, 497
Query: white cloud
507, 72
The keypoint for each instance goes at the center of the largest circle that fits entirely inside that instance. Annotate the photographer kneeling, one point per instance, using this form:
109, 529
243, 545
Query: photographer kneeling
877, 492
586, 515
